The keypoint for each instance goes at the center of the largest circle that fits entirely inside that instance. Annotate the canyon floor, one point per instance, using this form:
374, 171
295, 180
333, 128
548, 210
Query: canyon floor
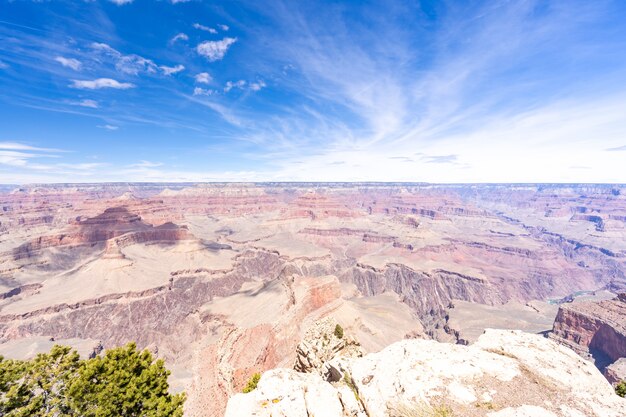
223, 280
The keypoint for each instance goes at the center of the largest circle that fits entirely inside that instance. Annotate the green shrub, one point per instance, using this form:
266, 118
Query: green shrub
252, 383
339, 331
620, 389
125, 381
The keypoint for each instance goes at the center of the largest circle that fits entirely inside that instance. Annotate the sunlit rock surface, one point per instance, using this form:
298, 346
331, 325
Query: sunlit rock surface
222, 280
505, 373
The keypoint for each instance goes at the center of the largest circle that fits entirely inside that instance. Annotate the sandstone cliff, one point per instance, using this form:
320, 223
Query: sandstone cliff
506, 373
595, 330
591, 326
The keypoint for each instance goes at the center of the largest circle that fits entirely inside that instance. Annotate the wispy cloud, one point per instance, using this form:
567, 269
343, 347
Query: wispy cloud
215, 50
472, 92
172, 70
204, 28
234, 84
203, 92
72, 63
146, 164
108, 127
101, 83
128, 64
179, 37
440, 159
203, 77
258, 85
223, 27
121, 2
17, 146
93, 104
3, 65
18, 154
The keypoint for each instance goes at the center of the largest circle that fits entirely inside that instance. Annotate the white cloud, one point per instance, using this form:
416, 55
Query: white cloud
13, 158
171, 70
83, 166
204, 78
100, 83
121, 2
257, 85
204, 28
93, 104
223, 27
180, 37
146, 164
16, 146
203, 92
127, 64
215, 50
18, 154
179, 1
3, 65
108, 127
69, 62
237, 84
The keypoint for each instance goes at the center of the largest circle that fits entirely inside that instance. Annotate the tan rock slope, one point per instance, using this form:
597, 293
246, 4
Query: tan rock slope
504, 374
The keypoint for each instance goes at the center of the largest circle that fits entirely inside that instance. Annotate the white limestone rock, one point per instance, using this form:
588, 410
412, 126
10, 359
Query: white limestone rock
505, 374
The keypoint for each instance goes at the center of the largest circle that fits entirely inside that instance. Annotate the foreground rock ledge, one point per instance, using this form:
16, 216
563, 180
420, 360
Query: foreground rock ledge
504, 374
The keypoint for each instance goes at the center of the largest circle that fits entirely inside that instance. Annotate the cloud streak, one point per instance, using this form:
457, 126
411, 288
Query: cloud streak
172, 70
69, 62
204, 28
101, 83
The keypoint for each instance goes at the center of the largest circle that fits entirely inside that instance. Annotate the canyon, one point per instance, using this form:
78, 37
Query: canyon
225, 280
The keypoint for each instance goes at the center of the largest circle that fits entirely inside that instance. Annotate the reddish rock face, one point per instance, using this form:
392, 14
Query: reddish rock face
596, 330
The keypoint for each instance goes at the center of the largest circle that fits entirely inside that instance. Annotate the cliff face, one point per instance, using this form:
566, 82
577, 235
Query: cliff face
595, 330
506, 373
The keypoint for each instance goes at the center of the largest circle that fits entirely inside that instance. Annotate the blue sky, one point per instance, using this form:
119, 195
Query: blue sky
458, 91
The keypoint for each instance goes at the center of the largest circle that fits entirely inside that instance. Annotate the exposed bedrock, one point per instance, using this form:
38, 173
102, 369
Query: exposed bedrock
149, 316
505, 374
595, 330
114, 223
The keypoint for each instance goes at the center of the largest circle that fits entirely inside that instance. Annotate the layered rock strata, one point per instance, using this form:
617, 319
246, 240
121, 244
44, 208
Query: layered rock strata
593, 329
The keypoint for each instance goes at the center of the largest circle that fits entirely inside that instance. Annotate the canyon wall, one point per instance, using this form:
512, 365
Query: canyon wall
222, 280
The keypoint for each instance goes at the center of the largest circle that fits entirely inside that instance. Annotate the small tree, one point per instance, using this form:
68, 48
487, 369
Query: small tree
620, 389
124, 382
38, 387
14, 394
339, 331
252, 383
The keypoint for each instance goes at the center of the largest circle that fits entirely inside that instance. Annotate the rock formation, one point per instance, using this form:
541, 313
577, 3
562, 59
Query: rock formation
223, 279
616, 372
324, 342
596, 331
506, 373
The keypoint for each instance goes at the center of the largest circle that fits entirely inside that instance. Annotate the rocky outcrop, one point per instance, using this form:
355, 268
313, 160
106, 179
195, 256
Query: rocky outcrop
595, 330
506, 373
616, 372
324, 341
114, 223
